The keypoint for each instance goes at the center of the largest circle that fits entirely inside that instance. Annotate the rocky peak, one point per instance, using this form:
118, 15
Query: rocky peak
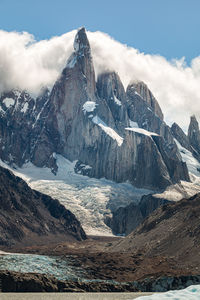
194, 133
110, 85
180, 136
81, 62
142, 89
92, 128
81, 43
194, 125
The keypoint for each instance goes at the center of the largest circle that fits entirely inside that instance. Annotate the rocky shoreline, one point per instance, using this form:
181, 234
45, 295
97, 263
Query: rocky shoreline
32, 282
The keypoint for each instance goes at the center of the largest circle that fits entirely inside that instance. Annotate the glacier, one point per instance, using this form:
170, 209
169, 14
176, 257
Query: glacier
90, 199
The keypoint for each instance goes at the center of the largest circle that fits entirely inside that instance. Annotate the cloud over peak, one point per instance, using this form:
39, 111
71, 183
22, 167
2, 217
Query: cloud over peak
30, 64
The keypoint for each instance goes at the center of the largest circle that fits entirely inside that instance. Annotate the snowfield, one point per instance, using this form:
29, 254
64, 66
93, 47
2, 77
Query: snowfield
190, 293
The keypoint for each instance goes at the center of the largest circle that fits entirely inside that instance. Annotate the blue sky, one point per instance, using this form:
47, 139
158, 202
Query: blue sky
166, 27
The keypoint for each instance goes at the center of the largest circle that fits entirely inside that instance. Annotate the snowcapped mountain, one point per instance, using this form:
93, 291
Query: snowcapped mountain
94, 128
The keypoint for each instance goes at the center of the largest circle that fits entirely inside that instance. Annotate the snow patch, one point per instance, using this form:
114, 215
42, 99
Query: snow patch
133, 124
137, 93
8, 102
117, 101
54, 155
181, 190
142, 131
85, 167
25, 108
89, 106
108, 130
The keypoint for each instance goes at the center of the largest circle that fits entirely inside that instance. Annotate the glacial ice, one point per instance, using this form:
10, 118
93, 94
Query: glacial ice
190, 293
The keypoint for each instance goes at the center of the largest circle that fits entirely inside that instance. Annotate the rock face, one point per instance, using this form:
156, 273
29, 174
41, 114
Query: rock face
29, 217
92, 123
28, 282
126, 219
141, 90
194, 134
191, 141
181, 137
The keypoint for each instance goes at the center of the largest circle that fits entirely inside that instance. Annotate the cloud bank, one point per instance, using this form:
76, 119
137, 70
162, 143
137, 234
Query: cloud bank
28, 64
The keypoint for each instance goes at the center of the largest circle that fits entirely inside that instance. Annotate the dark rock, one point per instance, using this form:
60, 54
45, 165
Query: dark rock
125, 219
140, 111
31, 282
184, 140
180, 136
29, 217
143, 91
177, 169
110, 89
194, 134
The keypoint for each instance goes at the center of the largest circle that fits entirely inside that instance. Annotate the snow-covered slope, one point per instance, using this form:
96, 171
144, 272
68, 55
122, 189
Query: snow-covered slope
184, 189
192, 163
89, 199
190, 293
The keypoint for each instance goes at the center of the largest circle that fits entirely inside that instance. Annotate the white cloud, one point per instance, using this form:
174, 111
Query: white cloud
29, 64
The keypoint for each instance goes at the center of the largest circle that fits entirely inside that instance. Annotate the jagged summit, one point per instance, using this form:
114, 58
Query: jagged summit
142, 89
95, 124
107, 131
194, 133
81, 43
80, 65
193, 123
180, 136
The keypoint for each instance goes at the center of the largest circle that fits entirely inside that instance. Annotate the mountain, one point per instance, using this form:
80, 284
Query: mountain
191, 141
125, 219
103, 129
90, 122
171, 231
29, 217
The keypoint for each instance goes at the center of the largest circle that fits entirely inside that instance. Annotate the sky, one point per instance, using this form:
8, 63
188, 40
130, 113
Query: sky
156, 41
169, 28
